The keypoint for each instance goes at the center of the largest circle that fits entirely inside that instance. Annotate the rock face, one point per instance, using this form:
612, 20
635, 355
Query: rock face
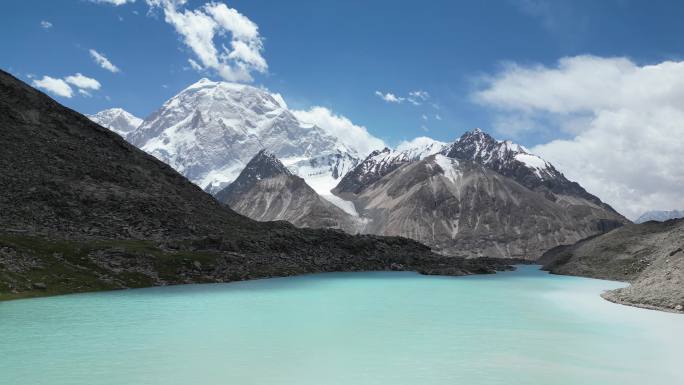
84, 210
267, 191
210, 130
515, 161
382, 162
660, 216
475, 197
117, 119
650, 256
460, 207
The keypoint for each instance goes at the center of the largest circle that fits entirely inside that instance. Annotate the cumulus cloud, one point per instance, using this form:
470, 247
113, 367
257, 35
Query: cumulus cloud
56, 86
389, 97
45, 24
83, 82
200, 28
103, 62
353, 136
62, 87
625, 122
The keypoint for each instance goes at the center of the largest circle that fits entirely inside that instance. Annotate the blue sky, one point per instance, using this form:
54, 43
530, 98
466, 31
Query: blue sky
337, 54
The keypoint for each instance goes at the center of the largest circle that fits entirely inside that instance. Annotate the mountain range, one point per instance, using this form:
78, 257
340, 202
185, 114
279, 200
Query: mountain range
458, 206
84, 210
660, 216
474, 197
210, 130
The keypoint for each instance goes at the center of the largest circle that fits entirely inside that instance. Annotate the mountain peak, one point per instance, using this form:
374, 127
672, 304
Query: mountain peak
211, 129
267, 165
477, 135
117, 119
263, 165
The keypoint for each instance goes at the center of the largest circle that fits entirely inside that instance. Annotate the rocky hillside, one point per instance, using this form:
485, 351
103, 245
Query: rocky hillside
460, 207
266, 191
84, 210
475, 197
650, 256
516, 162
382, 162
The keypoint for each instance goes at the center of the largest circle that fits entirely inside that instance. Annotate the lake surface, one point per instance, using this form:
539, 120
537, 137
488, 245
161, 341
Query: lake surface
524, 327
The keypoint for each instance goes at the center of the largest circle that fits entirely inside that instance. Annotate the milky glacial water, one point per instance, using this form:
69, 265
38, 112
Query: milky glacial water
524, 327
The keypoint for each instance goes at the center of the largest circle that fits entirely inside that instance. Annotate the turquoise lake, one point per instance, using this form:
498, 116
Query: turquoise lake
524, 327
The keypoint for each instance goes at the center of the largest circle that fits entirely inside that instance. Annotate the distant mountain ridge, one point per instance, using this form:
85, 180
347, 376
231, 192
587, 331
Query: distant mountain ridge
458, 206
117, 119
84, 210
381, 162
515, 161
266, 190
660, 215
211, 131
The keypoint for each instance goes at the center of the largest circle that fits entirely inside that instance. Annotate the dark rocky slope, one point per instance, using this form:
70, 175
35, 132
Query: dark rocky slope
266, 191
83, 210
650, 256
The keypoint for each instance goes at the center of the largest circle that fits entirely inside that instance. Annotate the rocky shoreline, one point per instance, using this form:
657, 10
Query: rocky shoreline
611, 296
34, 267
649, 256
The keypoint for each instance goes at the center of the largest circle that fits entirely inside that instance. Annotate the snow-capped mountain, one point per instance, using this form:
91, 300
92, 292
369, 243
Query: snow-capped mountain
116, 119
266, 190
382, 162
476, 196
515, 161
660, 216
210, 130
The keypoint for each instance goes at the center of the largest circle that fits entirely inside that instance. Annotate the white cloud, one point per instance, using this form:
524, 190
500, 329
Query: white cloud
389, 97
353, 136
83, 82
418, 97
200, 28
626, 124
424, 117
56, 86
231, 20
45, 24
194, 65
414, 97
103, 62
438, 117
113, 2
84, 93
